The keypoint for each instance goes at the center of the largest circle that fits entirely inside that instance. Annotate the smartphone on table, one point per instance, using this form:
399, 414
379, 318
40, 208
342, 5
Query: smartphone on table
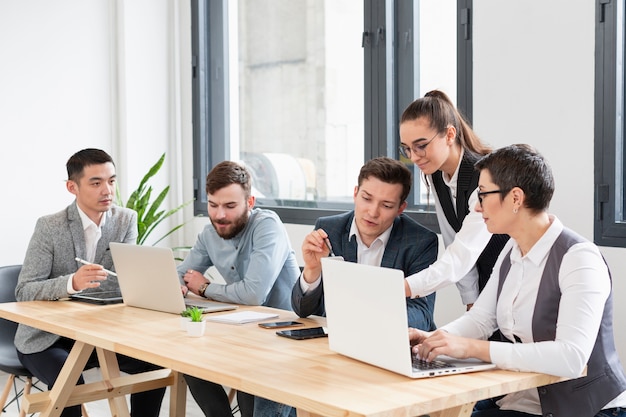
301, 334
279, 324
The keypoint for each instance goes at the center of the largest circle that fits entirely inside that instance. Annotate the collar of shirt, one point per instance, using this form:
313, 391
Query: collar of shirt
92, 232
87, 221
541, 248
374, 254
452, 181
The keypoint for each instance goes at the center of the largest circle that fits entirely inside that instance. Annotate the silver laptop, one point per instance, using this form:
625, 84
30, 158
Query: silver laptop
367, 320
148, 279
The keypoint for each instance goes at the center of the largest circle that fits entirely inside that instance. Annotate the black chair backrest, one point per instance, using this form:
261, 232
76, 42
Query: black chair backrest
9, 362
8, 281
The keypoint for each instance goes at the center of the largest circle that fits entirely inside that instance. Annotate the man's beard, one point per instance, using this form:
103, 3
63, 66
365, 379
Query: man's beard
237, 226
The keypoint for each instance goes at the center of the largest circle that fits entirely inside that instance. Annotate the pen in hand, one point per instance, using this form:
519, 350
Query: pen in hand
329, 246
84, 262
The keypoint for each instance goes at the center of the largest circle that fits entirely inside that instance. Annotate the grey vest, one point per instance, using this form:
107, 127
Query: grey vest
605, 380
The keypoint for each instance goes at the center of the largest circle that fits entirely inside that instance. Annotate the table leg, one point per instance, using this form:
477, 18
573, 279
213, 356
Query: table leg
178, 396
71, 371
109, 368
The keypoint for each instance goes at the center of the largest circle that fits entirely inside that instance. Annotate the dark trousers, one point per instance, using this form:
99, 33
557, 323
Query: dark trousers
489, 408
213, 401
47, 365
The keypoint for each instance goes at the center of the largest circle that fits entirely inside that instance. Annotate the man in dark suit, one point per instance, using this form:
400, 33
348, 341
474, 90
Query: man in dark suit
377, 233
374, 233
51, 271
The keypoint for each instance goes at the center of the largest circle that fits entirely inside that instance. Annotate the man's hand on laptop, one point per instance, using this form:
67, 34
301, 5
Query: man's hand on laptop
196, 282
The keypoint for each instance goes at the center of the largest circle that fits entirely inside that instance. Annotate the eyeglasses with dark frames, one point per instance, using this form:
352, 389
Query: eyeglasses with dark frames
481, 195
417, 148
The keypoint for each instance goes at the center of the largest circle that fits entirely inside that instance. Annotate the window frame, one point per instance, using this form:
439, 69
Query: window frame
385, 96
607, 231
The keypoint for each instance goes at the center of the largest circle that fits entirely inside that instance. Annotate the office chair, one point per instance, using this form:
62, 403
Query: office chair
9, 362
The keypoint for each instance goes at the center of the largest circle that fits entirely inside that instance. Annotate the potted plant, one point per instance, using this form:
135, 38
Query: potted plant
149, 213
184, 319
196, 325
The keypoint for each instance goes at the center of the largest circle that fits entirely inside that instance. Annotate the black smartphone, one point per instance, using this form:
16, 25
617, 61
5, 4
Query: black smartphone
300, 334
279, 324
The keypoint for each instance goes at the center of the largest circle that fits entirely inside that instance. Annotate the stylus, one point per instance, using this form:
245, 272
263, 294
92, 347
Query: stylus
330, 248
84, 262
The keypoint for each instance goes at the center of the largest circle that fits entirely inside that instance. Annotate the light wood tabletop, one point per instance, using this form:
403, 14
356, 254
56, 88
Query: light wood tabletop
301, 373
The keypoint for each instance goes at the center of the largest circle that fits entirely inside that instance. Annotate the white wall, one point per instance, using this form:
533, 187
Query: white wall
114, 74
78, 74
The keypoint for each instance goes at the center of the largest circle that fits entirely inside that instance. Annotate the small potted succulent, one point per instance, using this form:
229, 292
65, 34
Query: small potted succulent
196, 325
184, 319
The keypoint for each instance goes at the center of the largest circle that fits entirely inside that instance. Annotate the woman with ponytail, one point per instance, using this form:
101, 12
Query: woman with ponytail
436, 138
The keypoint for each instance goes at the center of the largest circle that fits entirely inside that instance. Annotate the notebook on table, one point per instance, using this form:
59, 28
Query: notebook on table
367, 320
148, 279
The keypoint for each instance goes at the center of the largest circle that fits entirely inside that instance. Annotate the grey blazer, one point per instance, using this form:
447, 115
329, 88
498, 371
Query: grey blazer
49, 262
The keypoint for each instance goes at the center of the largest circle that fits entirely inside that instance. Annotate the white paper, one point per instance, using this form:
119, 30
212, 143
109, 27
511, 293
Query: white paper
242, 317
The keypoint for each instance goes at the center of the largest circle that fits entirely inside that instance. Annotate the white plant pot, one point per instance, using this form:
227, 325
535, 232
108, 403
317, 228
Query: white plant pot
196, 328
183, 323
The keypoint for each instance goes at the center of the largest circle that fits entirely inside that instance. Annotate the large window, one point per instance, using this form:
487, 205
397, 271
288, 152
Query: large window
610, 192
304, 91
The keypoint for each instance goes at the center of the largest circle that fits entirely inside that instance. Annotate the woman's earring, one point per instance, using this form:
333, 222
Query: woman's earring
515, 210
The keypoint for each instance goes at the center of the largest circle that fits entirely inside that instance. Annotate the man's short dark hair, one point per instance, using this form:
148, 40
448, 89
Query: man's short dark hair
81, 159
390, 171
226, 173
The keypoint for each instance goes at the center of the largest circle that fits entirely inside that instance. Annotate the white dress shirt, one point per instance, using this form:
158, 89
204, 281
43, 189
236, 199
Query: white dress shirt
585, 286
93, 232
457, 264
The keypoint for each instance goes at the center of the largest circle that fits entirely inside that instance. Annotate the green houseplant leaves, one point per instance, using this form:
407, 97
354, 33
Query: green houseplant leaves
149, 213
194, 313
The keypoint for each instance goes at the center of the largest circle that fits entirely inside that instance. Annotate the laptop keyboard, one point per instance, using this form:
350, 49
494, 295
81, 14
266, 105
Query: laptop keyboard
422, 365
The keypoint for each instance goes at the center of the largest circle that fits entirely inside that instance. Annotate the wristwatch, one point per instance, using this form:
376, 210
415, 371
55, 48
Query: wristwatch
202, 289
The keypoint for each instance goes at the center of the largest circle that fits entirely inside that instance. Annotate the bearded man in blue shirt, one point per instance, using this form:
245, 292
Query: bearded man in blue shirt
251, 250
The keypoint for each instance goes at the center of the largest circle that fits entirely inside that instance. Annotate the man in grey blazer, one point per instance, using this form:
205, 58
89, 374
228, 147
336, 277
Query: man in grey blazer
377, 233
50, 272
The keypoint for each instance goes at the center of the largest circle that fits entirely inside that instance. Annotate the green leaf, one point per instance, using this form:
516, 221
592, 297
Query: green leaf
149, 214
194, 313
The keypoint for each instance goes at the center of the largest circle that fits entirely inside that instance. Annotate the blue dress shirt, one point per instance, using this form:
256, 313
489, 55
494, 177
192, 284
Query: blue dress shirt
258, 265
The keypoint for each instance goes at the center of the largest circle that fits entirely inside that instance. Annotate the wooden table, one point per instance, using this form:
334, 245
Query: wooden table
304, 374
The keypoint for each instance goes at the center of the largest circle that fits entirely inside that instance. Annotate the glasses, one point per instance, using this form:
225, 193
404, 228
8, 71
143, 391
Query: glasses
417, 148
484, 193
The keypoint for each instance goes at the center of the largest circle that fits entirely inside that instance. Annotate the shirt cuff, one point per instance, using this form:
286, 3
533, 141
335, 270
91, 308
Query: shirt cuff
305, 286
70, 288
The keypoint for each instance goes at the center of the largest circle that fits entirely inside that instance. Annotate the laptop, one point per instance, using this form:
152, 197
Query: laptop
148, 279
367, 320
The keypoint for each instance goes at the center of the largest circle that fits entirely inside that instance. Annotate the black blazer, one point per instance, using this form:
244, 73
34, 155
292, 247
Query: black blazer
411, 248
467, 182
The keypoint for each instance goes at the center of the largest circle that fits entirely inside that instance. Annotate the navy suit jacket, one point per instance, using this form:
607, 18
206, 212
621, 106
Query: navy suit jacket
411, 248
